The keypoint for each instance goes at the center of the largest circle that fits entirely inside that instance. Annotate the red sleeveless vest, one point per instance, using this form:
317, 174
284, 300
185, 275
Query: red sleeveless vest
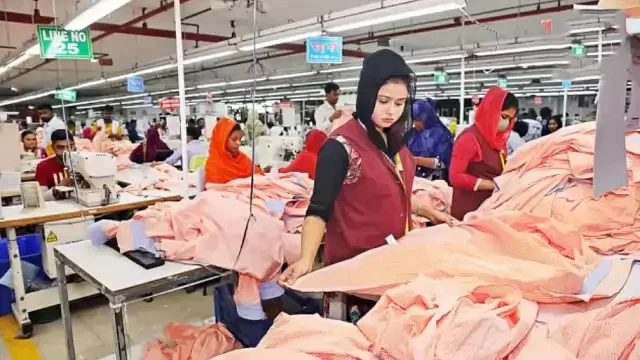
374, 201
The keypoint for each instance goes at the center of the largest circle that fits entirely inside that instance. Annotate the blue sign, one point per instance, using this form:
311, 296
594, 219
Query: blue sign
566, 84
148, 100
135, 84
324, 50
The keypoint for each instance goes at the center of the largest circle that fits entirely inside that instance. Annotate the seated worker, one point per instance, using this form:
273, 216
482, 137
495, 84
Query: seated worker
226, 162
152, 149
71, 126
110, 127
306, 161
194, 146
30, 143
51, 172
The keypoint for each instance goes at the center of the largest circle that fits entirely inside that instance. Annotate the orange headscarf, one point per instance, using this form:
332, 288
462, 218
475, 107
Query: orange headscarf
221, 167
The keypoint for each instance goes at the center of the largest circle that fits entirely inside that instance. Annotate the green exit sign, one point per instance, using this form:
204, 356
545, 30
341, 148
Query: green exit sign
578, 49
66, 95
440, 77
502, 82
57, 43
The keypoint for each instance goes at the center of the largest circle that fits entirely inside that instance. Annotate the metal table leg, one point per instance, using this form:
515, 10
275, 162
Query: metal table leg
19, 311
120, 331
64, 307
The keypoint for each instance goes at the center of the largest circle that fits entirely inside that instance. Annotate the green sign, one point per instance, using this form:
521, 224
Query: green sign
58, 43
578, 49
502, 82
66, 95
440, 77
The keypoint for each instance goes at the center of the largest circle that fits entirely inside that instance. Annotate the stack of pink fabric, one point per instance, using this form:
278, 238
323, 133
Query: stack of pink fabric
437, 320
189, 342
160, 177
553, 176
436, 194
101, 143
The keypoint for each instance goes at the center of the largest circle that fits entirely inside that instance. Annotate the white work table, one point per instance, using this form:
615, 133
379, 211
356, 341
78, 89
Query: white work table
17, 216
122, 281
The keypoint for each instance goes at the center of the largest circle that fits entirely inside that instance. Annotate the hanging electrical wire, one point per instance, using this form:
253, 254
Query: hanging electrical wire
253, 130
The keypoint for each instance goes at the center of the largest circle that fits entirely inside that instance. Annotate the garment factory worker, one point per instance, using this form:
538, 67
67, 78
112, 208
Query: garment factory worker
545, 114
326, 113
194, 147
51, 123
110, 127
479, 153
51, 172
554, 124
226, 162
30, 143
152, 149
364, 176
201, 123
306, 161
132, 131
430, 142
515, 140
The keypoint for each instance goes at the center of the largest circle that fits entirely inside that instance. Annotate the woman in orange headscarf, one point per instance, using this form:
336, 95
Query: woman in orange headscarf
226, 162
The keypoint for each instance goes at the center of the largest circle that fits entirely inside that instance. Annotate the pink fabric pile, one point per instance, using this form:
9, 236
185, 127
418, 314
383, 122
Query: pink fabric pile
552, 177
436, 194
189, 342
160, 177
437, 319
101, 143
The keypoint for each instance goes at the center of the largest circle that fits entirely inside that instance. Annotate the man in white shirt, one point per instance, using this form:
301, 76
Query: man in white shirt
108, 125
51, 124
326, 113
194, 147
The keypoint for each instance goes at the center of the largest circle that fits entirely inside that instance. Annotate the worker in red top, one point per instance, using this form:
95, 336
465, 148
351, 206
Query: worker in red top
306, 161
479, 153
51, 172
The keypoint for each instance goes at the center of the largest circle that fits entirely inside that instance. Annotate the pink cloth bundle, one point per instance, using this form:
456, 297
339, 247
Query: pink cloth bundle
435, 194
189, 342
553, 176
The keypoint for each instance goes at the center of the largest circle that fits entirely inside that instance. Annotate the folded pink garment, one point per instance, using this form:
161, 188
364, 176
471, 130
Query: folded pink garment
553, 177
435, 319
189, 342
265, 354
546, 260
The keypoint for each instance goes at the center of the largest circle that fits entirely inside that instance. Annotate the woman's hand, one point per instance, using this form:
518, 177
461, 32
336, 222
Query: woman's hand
440, 217
294, 271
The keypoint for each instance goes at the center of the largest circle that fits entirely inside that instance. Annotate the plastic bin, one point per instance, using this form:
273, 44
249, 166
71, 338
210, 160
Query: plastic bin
250, 332
29, 246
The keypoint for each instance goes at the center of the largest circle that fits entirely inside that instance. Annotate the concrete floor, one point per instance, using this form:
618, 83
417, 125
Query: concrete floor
93, 332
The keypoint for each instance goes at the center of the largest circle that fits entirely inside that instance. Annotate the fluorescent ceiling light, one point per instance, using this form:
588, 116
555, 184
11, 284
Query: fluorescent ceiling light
135, 106
543, 63
604, 42
267, 43
587, 30
131, 102
87, 84
436, 59
238, 82
604, 53
143, 72
341, 69
346, 80
212, 85
209, 57
522, 49
95, 13
287, 76
394, 13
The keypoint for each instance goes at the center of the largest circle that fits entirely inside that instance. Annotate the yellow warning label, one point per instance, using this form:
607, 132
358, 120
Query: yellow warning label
52, 237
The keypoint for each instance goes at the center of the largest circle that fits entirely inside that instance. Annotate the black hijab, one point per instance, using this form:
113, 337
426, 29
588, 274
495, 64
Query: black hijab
377, 69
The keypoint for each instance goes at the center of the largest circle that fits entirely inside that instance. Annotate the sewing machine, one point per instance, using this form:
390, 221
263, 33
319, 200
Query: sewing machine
277, 151
94, 176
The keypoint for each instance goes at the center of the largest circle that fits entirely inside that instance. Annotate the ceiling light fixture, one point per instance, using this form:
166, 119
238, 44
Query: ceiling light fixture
340, 69
260, 43
95, 13
393, 13
208, 57
288, 76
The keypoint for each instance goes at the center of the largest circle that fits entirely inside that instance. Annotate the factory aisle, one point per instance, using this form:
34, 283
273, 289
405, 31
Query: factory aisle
92, 328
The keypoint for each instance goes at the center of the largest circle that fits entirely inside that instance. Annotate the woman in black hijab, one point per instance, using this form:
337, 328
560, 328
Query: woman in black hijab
364, 174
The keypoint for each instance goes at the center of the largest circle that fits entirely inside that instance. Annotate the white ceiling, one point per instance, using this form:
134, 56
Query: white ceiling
128, 51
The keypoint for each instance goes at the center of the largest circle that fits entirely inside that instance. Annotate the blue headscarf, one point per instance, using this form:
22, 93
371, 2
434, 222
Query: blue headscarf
434, 141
